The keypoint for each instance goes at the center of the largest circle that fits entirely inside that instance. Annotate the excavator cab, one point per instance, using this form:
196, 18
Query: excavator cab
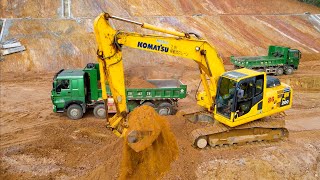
245, 95
238, 94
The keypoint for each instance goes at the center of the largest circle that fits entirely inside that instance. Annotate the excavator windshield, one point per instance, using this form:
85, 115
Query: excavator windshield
225, 96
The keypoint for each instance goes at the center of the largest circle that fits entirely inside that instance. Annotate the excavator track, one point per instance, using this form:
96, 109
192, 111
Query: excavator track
219, 134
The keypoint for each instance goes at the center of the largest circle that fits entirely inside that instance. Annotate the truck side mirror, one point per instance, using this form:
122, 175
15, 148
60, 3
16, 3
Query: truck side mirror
240, 93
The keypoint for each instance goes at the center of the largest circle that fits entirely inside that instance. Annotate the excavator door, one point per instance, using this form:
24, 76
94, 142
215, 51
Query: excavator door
239, 96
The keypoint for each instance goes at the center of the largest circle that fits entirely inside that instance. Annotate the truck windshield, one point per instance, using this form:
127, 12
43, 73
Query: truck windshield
225, 96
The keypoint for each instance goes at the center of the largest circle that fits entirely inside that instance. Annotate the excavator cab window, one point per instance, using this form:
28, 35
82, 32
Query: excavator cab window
244, 103
225, 96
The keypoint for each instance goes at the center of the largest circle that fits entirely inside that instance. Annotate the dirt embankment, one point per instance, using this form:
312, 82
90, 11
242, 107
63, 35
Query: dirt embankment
236, 28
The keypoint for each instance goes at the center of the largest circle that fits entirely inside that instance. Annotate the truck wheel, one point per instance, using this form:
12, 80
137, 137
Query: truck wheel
165, 109
149, 104
75, 112
279, 71
99, 111
289, 70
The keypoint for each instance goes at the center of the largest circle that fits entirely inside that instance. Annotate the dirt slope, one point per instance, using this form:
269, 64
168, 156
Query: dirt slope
54, 41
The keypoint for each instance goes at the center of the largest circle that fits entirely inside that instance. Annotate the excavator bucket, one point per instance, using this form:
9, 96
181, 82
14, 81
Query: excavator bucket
144, 128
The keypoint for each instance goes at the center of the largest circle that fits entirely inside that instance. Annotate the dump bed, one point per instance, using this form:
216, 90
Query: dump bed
164, 89
257, 61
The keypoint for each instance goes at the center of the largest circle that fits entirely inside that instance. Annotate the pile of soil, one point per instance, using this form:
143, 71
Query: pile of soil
136, 82
158, 149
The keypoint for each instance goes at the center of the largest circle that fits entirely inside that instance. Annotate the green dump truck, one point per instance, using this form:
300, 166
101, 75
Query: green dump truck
76, 91
279, 60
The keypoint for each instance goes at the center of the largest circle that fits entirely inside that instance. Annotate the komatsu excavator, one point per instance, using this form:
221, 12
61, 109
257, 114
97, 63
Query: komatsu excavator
237, 100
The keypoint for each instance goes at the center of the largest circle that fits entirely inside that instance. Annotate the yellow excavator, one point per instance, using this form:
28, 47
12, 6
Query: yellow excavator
237, 100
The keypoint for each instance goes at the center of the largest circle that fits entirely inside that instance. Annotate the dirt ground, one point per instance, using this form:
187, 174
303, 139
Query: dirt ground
39, 144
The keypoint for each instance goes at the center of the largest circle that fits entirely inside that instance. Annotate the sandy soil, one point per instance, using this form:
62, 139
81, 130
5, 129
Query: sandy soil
37, 143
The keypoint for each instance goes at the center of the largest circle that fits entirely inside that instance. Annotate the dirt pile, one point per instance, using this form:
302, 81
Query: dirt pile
136, 82
155, 160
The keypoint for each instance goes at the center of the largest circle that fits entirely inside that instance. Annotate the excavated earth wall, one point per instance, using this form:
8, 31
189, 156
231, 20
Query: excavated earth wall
61, 36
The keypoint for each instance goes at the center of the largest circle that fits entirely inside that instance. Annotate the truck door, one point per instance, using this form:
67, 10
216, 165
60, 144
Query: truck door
294, 57
75, 88
78, 90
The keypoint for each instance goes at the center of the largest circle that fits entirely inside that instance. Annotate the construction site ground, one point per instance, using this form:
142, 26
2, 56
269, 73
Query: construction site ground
37, 143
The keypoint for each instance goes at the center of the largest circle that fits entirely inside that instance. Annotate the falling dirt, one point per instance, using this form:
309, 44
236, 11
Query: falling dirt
151, 162
161, 146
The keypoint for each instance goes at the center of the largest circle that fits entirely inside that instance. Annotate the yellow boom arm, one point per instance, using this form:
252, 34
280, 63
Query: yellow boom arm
180, 44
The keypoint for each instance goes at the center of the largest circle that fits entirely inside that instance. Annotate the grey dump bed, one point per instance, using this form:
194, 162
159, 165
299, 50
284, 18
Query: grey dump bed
165, 83
255, 58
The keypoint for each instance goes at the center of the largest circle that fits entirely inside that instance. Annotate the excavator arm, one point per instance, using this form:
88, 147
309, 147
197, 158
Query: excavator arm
110, 42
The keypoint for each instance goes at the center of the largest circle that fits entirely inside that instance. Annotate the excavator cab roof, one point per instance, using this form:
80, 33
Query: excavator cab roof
240, 74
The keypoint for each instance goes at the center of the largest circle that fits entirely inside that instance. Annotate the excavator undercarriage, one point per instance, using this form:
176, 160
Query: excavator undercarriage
218, 134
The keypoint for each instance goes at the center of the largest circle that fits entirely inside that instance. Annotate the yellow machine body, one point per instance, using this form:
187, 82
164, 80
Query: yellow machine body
224, 93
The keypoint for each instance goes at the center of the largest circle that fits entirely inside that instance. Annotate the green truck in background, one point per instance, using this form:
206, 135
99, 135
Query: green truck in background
76, 91
280, 60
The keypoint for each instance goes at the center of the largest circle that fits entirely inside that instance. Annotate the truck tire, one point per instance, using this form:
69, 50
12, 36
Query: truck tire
149, 104
165, 109
288, 71
279, 71
75, 112
99, 111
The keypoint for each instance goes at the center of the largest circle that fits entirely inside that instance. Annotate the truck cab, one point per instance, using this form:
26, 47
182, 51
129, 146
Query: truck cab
294, 57
70, 88
76, 90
